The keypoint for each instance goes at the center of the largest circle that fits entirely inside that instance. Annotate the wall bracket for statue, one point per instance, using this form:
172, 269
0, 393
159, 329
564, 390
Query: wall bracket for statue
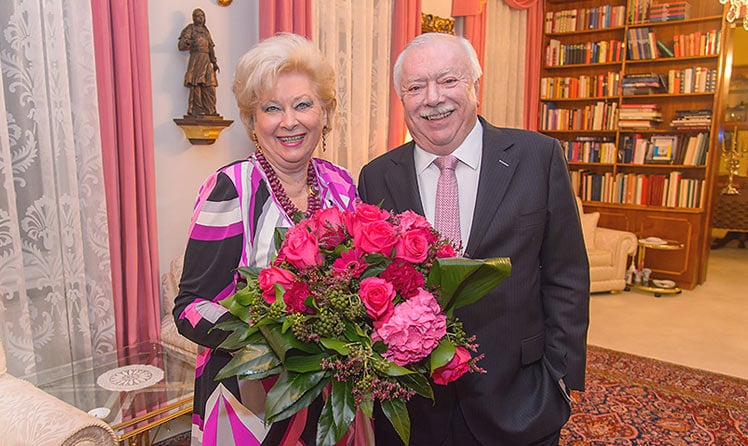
202, 124
202, 131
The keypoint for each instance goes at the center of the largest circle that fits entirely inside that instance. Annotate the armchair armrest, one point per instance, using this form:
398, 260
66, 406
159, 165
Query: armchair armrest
622, 244
30, 416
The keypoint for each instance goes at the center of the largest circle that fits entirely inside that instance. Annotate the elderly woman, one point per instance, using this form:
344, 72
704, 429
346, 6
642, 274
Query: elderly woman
286, 97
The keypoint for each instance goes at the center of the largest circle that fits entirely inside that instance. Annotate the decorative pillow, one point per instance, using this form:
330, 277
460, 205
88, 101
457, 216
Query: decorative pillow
589, 223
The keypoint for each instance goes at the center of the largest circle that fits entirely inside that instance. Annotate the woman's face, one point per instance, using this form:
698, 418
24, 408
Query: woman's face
288, 122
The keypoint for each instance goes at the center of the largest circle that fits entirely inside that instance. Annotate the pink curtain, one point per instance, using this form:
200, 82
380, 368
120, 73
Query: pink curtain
123, 76
532, 65
293, 16
475, 32
406, 25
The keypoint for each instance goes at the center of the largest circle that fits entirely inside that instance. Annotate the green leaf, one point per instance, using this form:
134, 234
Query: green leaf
305, 363
292, 392
282, 343
236, 339
340, 347
417, 383
244, 296
254, 361
367, 407
396, 370
278, 236
240, 311
464, 281
230, 325
250, 272
337, 415
442, 354
396, 411
326, 434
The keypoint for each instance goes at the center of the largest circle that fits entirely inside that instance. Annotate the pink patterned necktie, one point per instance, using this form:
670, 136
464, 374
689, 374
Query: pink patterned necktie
447, 216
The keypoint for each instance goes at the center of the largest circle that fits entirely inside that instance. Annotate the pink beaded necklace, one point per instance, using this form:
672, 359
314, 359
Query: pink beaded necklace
312, 199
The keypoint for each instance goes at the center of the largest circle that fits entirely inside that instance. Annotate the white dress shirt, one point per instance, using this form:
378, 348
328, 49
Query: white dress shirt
467, 171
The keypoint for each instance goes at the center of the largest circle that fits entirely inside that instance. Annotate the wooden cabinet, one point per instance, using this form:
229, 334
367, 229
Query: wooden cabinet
631, 100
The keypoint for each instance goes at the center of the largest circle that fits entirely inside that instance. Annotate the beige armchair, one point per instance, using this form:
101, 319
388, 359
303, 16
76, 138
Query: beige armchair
29, 416
169, 289
608, 251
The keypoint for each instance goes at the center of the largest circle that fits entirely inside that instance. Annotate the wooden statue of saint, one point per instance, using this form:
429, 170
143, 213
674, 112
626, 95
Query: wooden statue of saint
200, 77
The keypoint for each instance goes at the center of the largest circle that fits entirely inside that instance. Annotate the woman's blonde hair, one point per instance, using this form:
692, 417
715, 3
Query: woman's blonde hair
258, 69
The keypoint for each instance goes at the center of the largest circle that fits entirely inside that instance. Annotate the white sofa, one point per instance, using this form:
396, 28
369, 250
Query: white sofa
608, 251
29, 416
169, 289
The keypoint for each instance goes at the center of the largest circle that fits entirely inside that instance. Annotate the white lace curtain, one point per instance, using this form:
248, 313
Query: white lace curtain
504, 72
55, 284
355, 36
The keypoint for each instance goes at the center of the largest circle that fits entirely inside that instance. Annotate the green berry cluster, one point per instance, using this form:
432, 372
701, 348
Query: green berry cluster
301, 328
349, 305
329, 324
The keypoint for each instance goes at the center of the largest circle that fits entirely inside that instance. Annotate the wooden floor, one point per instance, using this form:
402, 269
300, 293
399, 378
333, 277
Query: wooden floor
704, 328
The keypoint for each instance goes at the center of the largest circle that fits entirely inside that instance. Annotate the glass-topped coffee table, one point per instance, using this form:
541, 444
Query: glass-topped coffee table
134, 390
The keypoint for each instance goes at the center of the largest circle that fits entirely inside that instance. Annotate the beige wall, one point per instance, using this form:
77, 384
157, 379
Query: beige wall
180, 166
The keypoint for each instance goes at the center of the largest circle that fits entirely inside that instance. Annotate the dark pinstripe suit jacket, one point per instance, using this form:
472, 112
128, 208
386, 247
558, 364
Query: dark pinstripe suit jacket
533, 327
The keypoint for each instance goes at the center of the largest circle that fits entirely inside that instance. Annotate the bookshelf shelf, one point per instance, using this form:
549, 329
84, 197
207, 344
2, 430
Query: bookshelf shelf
697, 20
586, 31
666, 191
667, 60
582, 65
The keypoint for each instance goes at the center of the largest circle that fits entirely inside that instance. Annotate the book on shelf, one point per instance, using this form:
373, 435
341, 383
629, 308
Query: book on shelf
643, 83
664, 148
664, 12
638, 10
665, 49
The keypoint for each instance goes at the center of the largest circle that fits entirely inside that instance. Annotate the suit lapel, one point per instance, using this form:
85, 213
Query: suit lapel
497, 168
402, 183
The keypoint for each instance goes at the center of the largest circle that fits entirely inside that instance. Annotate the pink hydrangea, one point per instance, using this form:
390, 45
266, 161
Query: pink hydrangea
414, 329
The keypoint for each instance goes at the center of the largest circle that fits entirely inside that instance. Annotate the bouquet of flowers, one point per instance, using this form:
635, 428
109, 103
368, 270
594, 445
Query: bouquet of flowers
362, 304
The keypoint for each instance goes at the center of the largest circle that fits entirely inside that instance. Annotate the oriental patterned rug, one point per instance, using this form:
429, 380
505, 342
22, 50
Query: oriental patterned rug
633, 401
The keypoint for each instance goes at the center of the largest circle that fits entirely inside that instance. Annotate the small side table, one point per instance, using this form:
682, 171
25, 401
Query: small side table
664, 245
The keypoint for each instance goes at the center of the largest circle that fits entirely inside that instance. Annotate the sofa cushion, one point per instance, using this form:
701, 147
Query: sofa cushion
589, 224
600, 257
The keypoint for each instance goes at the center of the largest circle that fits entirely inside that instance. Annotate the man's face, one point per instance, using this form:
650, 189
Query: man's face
198, 17
438, 95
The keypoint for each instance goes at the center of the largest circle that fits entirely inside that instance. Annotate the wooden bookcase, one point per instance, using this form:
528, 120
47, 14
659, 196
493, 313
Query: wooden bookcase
661, 193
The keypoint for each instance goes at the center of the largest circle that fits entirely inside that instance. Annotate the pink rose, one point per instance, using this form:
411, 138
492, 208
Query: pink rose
404, 277
363, 215
377, 295
268, 277
414, 329
351, 263
455, 368
446, 251
378, 236
295, 296
413, 246
330, 227
409, 221
300, 248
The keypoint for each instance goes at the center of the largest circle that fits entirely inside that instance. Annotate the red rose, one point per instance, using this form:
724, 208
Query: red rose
446, 251
364, 214
455, 368
413, 246
295, 296
378, 236
377, 295
300, 248
404, 277
268, 277
330, 228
